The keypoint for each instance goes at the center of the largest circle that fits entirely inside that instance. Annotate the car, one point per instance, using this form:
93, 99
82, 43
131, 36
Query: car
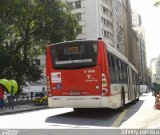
144, 89
40, 98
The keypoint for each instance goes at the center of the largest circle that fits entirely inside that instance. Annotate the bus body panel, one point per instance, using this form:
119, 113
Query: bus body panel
85, 101
78, 82
76, 101
105, 67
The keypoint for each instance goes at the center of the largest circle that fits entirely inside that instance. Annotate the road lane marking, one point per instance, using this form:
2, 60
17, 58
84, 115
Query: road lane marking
119, 119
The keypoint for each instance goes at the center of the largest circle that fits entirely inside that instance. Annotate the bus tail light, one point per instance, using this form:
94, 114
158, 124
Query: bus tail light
48, 87
104, 85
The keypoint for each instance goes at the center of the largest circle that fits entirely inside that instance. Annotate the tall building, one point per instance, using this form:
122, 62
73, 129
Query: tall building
125, 29
130, 38
118, 26
129, 35
142, 61
136, 18
155, 70
95, 17
135, 49
100, 18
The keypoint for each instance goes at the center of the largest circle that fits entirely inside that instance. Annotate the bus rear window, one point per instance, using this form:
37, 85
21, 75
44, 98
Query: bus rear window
74, 54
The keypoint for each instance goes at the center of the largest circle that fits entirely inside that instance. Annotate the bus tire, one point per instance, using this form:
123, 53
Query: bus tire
121, 109
135, 100
77, 110
138, 97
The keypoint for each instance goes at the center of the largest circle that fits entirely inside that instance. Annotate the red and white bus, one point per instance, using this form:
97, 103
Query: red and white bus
89, 74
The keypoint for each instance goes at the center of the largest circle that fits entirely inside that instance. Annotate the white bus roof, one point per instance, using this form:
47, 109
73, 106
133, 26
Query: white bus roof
71, 41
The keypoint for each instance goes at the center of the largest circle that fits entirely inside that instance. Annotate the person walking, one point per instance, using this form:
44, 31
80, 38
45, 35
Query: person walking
5, 99
31, 95
9, 100
12, 97
1, 97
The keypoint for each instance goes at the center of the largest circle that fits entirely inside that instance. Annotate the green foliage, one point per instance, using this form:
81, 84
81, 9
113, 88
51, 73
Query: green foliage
26, 26
157, 3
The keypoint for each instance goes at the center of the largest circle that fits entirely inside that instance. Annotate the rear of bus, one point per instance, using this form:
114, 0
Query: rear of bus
77, 74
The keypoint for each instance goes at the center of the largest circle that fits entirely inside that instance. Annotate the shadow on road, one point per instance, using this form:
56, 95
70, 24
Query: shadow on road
132, 109
93, 117
89, 117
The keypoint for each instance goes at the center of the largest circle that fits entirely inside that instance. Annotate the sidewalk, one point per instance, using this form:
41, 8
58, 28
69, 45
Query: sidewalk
22, 108
146, 117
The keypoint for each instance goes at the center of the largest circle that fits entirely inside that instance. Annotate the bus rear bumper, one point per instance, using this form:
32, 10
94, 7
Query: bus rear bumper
74, 102
82, 102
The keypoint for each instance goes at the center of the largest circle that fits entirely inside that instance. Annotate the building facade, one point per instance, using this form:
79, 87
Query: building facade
130, 39
155, 70
125, 28
135, 49
100, 18
118, 26
95, 18
142, 61
129, 35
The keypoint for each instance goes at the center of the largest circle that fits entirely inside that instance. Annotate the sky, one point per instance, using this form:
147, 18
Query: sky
151, 23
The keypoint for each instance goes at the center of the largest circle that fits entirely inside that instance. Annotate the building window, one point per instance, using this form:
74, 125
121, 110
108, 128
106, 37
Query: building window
106, 22
80, 30
157, 79
107, 34
106, 11
77, 4
79, 16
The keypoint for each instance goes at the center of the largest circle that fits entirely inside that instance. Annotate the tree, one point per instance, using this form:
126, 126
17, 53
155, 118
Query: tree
26, 26
157, 3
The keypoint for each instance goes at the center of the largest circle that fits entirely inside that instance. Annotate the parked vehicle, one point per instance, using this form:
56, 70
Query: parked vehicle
40, 99
144, 89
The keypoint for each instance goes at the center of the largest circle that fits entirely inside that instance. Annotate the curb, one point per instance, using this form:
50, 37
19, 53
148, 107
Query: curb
21, 111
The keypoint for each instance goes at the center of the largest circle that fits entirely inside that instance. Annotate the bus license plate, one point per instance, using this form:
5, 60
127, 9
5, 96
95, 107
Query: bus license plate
74, 93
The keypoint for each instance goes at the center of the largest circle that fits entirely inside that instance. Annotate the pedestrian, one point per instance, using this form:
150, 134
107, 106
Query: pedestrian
1, 97
9, 100
157, 101
12, 97
152, 90
5, 99
31, 95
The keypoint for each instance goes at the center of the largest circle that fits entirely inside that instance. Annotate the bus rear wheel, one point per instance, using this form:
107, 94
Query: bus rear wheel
134, 101
78, 110
121, 109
